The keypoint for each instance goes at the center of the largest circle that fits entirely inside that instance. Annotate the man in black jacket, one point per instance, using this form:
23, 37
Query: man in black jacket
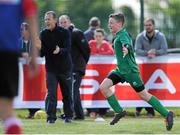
80, 55
56, 46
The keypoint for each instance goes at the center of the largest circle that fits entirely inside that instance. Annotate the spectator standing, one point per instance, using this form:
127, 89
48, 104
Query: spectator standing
12, 13
26, 48
56, 46
150, 43
127, 70
80, 55
24, 42
94, 23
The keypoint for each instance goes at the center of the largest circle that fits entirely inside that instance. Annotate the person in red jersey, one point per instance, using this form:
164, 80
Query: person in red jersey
99, 45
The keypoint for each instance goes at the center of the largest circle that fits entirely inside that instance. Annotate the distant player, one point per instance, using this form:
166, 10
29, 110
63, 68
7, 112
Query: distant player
127, 70
11, 16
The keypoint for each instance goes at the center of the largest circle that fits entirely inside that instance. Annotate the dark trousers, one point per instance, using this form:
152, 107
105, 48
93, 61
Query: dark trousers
100, 111
32, 111
78, 110
65, 81
149, 110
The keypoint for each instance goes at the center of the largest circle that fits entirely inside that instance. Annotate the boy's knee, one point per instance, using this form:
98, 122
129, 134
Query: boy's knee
145, 96
142, 96
102, 87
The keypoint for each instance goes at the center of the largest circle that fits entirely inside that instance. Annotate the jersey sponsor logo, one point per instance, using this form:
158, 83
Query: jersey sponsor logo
135, 83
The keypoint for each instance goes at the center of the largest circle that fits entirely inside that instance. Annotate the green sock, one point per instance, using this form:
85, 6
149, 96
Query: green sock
158, 106
114, 104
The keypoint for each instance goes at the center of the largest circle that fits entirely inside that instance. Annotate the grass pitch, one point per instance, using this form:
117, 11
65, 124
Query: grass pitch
128, 125
125, 126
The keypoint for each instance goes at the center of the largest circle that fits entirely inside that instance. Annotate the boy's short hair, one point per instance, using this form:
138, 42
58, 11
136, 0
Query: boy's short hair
119, 17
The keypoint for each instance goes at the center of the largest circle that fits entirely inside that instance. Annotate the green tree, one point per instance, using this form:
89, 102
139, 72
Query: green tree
80, 11
131, 23
168, 11
43, 6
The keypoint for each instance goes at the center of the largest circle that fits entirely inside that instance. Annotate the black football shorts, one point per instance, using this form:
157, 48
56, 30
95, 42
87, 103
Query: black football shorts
9, 73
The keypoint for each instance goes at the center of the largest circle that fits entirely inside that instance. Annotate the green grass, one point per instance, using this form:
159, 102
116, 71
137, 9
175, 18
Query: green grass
125, 126
128, 125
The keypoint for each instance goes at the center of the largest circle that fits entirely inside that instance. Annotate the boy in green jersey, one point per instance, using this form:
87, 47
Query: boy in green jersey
127, 70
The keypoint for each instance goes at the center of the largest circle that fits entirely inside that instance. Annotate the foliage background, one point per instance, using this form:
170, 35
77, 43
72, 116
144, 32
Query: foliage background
80, 11
165, 12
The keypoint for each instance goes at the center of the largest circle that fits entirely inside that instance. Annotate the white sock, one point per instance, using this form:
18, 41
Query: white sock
11, 121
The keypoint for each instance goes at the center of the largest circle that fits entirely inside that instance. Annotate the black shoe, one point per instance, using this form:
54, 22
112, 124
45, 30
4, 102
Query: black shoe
30, 117
78, 118
50, 121
62, 116
150, 115
169, 120
137, 114
117, 117
67, 121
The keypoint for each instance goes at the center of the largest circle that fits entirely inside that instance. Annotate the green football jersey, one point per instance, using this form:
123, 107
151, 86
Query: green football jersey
125, 64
